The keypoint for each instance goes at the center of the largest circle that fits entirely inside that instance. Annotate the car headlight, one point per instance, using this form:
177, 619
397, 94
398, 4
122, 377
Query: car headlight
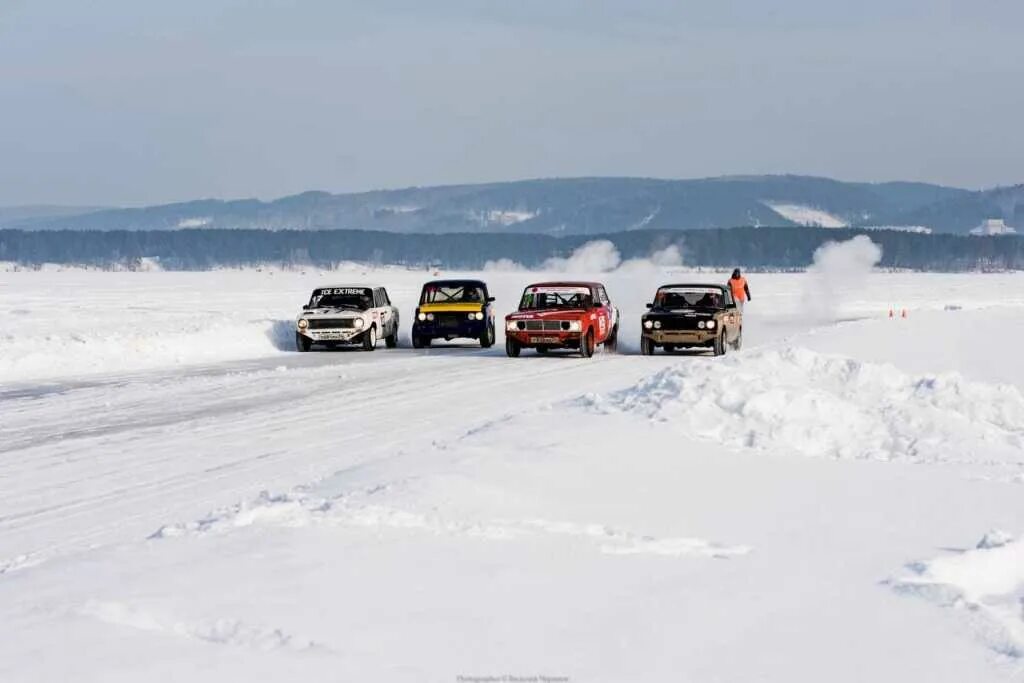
358, 322
510, 326
648, 324
711, 324
421, 316
430, 316
657, 324
303, 323
479, 315
575, 326
700, 324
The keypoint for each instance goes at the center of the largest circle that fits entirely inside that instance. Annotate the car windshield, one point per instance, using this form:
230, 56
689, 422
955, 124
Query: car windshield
342, 297
689, 297
538, 298
466, 293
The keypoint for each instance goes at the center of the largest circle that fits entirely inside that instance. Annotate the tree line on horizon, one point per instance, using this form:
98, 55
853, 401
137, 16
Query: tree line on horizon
753, 248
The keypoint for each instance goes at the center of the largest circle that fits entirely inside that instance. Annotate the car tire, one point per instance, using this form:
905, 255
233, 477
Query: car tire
542, 350
670, 348
370, 339
512, 348
721, 345
419, 342
487, 338
612, 342
738, 344
646, 346
587, 344
391, 341
303, 343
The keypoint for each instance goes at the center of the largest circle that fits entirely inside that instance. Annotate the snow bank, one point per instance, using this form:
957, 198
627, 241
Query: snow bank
796, 400
987, 583
284, 511
116, 347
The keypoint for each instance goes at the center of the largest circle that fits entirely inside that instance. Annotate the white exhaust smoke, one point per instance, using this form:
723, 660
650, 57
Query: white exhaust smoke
838, 271
599, 256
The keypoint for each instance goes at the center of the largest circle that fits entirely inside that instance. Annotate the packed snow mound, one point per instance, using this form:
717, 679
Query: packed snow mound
807, 215
797, 400
125, 347
985, 583
286, 511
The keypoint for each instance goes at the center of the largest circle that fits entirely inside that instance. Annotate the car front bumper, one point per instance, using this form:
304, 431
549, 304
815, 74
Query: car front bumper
469, 329
337, 335
548, 338
681, 337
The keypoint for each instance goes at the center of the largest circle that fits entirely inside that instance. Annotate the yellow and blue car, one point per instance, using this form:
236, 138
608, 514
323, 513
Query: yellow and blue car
454, 309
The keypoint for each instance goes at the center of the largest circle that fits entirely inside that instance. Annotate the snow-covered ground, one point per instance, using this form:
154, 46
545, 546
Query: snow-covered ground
186, 498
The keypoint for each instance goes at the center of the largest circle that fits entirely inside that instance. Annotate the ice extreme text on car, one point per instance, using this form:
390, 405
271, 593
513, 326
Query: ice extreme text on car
347, 315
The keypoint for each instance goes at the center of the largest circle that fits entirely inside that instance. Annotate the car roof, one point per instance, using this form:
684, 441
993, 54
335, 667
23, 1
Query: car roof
694, 284
349, 286
456, 281
565, 283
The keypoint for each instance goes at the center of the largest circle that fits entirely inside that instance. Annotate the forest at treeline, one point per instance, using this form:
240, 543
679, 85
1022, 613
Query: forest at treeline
753, 248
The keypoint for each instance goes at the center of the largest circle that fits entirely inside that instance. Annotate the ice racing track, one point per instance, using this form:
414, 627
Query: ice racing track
176, 445
413, 515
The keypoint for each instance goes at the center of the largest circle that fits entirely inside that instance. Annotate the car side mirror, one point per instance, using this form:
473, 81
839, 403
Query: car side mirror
490, 299
730, 305
650, 305
305, 307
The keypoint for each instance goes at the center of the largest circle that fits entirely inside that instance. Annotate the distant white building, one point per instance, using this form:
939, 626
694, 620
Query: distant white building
994, 226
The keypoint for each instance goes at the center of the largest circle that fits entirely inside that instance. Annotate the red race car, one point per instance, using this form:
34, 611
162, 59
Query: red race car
562, 315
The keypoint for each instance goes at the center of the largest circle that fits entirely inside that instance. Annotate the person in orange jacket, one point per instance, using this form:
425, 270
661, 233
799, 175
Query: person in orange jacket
739, 288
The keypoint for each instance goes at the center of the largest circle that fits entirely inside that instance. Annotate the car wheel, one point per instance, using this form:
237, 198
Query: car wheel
542, 350
587, 345
512, 347
419, 342
670, 348
646, 346
303, 343
612, 342
370, 339
487, 338
391, 341
738, 344
720, 344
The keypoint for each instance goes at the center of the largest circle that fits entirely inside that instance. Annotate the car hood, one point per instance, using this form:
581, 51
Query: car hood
451, 307
553, 314
331, 313
684, 312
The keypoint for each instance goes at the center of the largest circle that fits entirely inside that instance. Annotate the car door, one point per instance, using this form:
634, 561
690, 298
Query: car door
732, 317
390, 311
605, 316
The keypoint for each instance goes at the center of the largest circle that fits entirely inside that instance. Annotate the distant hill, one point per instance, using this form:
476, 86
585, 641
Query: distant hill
575, 206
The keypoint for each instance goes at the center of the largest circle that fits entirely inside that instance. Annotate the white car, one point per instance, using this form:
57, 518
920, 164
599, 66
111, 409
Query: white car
347, 314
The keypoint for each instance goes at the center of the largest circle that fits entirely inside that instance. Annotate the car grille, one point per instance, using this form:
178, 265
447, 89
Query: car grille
448, 319
679, 323
547, 325
331, 323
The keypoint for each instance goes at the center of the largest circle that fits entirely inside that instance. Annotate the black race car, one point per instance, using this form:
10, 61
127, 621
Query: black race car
687, 316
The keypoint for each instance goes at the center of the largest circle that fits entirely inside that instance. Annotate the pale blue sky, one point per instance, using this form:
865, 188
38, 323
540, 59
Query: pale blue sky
135, 102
